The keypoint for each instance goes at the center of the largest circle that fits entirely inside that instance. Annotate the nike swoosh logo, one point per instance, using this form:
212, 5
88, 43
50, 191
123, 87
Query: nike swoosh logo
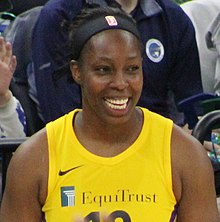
62, 173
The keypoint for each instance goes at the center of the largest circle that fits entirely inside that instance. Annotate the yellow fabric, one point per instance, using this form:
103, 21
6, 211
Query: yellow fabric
133, 186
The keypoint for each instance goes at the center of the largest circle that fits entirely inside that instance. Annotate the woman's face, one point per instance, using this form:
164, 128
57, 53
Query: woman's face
110, 75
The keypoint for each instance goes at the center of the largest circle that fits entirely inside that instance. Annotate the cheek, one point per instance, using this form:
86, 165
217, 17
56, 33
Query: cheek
137, 84
92, 87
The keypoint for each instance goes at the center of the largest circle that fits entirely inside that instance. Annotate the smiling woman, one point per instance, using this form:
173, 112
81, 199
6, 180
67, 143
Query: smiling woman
105, 58
110, 156
113, 76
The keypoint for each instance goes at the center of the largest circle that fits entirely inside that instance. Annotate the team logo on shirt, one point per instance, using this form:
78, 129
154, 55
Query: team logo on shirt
68, 196
154, 50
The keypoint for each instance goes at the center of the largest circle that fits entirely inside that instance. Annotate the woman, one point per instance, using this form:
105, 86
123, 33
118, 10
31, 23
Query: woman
111, 157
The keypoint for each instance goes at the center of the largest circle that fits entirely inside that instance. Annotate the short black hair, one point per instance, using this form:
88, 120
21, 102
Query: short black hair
94, 20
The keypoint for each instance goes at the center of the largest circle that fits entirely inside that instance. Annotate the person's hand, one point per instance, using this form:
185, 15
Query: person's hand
209, 147
7, 67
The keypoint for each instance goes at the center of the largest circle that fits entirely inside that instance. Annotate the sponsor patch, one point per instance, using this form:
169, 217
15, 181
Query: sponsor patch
154, 50
68, 196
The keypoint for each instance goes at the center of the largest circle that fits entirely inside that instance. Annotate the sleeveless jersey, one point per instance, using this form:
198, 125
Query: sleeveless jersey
135, 185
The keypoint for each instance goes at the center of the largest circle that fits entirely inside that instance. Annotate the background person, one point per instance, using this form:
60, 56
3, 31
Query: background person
208, 58
12, 117
213, 44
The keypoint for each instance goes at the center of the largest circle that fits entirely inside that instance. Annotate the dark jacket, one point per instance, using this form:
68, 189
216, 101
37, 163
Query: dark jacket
170, 63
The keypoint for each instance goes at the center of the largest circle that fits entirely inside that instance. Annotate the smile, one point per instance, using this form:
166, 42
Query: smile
118, 104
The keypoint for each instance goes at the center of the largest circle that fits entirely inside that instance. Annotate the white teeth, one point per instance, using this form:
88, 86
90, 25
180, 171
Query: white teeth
117, 103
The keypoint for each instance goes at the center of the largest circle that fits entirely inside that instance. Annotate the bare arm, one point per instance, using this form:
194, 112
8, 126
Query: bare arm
26, 183
193, 179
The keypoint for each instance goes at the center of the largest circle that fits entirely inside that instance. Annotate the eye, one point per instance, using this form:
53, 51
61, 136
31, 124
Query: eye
103, 70
133, 68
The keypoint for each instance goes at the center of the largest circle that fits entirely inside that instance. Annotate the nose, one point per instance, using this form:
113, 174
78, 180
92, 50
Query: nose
119, 81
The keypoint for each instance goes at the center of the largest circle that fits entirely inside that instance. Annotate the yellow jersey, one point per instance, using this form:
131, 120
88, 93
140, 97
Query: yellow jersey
135, 185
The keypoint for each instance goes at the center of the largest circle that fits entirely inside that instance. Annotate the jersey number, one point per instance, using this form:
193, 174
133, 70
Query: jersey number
95, 216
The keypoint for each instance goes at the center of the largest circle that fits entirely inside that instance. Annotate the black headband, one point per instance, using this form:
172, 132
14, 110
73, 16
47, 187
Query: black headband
101, 23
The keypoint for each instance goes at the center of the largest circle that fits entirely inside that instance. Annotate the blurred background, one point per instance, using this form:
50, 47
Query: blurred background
18, 6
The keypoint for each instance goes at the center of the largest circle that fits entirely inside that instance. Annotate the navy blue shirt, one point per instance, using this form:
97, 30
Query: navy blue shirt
170, 60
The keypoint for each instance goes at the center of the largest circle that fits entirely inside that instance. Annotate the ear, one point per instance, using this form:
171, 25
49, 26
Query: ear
74, 67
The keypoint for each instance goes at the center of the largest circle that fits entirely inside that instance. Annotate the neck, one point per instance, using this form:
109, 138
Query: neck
128, 5
107, 141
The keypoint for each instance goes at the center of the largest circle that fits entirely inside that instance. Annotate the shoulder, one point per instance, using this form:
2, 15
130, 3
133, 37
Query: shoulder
205, 6
31, 153
208, 9
66, 8
177, 23
185, 144
54, 13
193, 179
170, 7
30, 162
189, 159
174, 13
35, 143
26, 181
